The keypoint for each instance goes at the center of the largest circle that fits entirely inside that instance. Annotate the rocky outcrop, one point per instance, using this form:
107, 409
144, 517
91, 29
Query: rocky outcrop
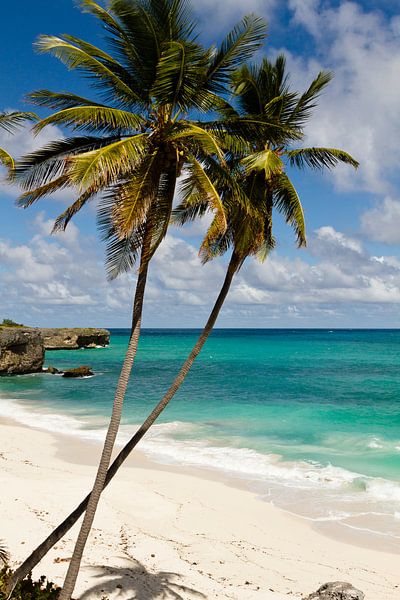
336, 590
83, 371
21, 351
74, 338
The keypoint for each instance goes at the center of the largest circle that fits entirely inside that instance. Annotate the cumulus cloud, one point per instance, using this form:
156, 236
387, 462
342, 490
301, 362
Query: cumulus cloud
382, 222
343, 273
50, 277
219, 17
360, 108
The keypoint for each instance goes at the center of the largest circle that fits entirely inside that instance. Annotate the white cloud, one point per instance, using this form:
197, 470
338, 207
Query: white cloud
359, 111
382, 223
51, 281
219, 17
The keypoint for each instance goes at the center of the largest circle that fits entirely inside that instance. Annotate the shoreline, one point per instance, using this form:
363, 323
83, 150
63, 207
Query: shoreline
214, 534
339, 528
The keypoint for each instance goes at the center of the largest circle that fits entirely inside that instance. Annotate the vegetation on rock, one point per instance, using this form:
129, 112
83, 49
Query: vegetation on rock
10, 323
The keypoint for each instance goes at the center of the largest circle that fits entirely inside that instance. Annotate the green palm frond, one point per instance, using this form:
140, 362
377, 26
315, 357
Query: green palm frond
99, 119
239, 45
62, 220
266, 160
132, 200
105, 165
192, 209
104, 77
180, 69
43, 165
201, 137
59, 100
10, 121
318, 158
6, 159
28, 198
307, 101
161, 210
199, 178
287, 202
127, 48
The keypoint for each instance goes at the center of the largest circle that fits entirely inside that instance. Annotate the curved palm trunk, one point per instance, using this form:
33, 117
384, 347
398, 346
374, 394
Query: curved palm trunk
74, 565
37, 555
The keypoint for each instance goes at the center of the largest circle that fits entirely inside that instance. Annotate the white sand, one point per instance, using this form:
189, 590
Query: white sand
166, 534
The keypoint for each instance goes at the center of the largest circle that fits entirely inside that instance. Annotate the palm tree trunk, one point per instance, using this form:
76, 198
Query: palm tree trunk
74, 565
58, 533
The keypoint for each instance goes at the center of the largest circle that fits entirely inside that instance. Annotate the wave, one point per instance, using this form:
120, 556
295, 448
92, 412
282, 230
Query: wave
244, 463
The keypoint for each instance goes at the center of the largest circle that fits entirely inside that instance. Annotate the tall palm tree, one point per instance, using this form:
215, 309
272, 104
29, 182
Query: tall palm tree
249, 225
137, 139
10, 121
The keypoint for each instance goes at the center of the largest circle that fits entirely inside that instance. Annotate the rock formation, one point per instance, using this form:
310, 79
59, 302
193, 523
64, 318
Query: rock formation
83, 371
336, 590
74, 338
21, 350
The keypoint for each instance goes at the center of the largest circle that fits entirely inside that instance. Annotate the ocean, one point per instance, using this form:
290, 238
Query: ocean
307, 419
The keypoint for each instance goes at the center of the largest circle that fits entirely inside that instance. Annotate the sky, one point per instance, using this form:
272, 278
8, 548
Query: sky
349, 274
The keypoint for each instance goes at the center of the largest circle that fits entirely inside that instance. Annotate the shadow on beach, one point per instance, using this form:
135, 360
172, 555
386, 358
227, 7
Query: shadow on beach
134, 582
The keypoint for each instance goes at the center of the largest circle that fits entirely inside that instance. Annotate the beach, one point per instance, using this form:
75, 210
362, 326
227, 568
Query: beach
165, 532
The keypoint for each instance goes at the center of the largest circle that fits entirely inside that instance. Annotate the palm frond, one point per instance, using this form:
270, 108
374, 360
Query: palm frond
43, 165
266, 160
61, 222
238, 46
103, 77
198, 177
307, 101
6, 159
99, 119
129, 51
59, 100
180, 69
287, 202
105, 165
205, 139
131, 201
30, 197
318, 158
10, 121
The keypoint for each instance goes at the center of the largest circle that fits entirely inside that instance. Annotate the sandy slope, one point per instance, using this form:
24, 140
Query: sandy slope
167, 534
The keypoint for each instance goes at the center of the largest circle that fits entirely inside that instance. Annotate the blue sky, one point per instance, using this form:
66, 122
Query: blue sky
349, 276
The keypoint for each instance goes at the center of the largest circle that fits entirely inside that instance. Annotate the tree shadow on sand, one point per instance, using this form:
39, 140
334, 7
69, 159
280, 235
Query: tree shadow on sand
134, 582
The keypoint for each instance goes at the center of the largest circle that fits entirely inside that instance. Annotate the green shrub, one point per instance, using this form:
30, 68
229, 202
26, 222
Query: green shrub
10, 323
27, 589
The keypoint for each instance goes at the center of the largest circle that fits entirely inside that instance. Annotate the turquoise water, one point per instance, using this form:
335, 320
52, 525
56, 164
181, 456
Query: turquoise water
310, 417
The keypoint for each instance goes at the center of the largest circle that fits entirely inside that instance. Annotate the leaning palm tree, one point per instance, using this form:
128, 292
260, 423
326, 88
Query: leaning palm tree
137, 137
266, 187
9, 122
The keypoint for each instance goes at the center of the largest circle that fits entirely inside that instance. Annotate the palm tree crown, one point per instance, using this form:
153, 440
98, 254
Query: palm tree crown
134, 140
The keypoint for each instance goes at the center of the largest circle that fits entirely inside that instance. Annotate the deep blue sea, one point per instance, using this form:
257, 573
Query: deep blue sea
310, 419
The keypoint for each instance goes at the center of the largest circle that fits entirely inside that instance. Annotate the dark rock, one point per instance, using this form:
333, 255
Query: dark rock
21, 351
336, 590
83, 371
74, 338
52, 370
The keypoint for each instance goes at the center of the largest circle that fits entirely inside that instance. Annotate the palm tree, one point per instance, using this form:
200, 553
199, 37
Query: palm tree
249, 224
136, 141
10, 121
